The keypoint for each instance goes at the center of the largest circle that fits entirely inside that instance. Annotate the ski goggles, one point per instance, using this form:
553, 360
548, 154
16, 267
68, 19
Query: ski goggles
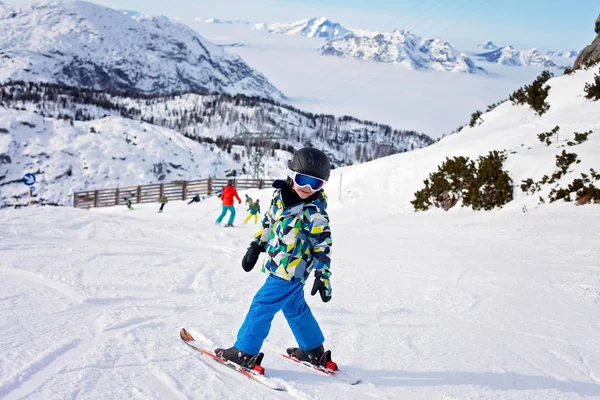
304, 180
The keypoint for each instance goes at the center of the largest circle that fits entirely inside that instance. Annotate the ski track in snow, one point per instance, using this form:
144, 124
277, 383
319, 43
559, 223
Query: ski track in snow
459, 305
95, 313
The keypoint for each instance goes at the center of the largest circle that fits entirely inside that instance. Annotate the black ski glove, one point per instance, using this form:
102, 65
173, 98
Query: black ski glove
322, 284
251, 256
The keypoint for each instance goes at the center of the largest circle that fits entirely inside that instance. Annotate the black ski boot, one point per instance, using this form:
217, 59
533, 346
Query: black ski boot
317, 357
242, 359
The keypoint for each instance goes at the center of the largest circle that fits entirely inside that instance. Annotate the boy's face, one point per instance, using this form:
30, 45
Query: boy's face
303, 192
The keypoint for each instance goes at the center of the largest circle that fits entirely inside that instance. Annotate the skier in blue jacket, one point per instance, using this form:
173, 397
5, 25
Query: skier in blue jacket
296, 236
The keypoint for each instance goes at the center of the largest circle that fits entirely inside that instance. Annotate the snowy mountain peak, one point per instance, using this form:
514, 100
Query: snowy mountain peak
84, 44
404, 48
317, 27
565, 54
489, 45
223, 21
508, 55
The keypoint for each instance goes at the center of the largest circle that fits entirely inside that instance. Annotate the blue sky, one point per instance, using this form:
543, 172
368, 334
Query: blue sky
545, 24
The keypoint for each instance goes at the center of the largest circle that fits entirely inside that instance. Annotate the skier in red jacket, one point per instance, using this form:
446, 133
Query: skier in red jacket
227, 196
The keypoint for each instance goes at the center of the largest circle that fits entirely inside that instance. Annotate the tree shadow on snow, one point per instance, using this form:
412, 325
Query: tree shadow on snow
491, 380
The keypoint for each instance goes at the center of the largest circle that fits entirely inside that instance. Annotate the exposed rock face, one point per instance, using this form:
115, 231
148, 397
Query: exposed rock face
591, 52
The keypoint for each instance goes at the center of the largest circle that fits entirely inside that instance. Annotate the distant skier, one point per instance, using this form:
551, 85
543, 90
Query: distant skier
195, 199
128, 202
254, 210
227, 196
163, 200
296, 237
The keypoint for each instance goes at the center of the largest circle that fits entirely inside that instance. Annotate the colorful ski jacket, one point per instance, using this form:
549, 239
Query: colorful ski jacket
254, 208
228, 194
297, 239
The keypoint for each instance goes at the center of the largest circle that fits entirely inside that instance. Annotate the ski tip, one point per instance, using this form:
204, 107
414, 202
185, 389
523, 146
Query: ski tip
185, 335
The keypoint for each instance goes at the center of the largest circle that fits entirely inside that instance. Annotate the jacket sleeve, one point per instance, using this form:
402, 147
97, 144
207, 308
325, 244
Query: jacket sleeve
235, 193
320, 239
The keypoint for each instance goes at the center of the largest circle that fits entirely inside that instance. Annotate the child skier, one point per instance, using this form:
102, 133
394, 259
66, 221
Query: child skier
128, 202
163, 200
227, 196
195, 199
296, 236
254, 210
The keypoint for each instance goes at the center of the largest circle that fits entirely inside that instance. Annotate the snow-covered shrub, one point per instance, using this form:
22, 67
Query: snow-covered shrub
583, 187
534, 94
588, 194
474, 117
480, 186
592, 90
579, 138
546, 136
491, 186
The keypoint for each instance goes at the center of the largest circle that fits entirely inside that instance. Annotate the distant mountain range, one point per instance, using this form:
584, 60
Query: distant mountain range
317, 27
398, 47
87, 45
313, 27
403, 48
508, 55
565, 54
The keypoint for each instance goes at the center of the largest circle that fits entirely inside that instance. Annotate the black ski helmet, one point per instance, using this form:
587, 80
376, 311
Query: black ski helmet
311, 162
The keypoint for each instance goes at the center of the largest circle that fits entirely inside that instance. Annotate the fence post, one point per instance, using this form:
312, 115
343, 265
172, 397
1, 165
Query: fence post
209, 186
161, 191
234, 182
139, 194
184, 191
117, 194
95, 198
260, 183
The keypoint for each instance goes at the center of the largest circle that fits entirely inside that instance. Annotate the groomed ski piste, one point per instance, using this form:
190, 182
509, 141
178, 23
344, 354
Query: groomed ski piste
431, 305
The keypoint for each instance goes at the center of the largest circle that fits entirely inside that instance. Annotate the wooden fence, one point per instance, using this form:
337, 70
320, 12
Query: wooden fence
178, 190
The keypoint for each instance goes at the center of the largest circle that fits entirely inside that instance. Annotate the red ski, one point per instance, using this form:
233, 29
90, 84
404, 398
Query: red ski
332, 371
257, 373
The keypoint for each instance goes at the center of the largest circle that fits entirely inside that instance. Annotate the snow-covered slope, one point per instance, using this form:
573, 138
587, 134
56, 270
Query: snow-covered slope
508, 55
458, 305
316, 27
105, 153
84, 44
403, 48
513, 129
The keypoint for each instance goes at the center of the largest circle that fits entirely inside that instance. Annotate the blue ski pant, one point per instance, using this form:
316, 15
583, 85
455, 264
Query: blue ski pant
224, 211
275, 295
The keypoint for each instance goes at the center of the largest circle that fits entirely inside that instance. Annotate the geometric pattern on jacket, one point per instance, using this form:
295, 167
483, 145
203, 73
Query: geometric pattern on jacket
298, 238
